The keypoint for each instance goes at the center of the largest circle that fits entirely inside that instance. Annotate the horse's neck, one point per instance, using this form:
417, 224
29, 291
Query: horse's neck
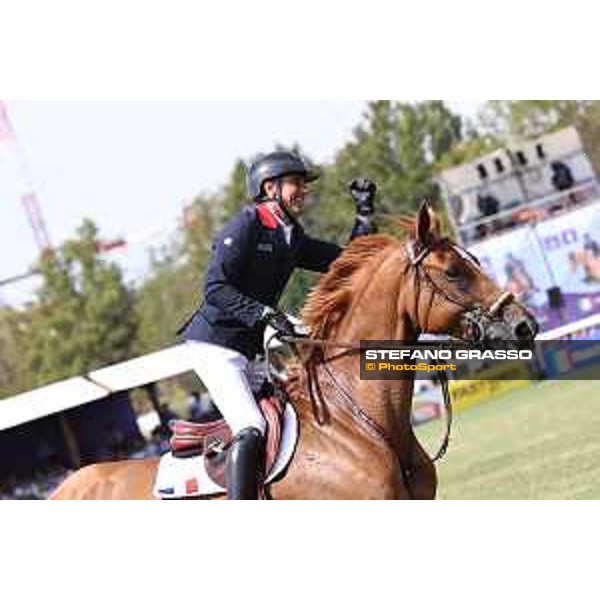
375, 316
387, 403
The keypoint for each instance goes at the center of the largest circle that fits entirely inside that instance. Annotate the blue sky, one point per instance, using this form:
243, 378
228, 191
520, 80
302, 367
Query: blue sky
132, 165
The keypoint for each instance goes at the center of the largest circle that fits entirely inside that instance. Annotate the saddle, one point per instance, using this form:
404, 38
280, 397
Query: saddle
195, 466
212, 439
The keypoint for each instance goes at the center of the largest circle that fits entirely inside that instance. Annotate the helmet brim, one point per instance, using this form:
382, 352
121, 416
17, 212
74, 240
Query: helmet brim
311, 176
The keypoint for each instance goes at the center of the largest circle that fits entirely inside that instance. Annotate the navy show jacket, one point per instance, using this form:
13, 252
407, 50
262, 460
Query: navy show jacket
250, 266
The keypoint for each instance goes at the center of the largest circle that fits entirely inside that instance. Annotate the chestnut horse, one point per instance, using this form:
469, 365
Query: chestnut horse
380, 288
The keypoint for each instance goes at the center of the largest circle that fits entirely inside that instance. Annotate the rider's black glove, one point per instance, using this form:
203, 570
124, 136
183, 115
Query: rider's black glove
363, 192
282, 325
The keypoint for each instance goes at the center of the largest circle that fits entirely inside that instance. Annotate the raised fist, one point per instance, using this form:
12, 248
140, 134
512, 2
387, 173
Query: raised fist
363, 192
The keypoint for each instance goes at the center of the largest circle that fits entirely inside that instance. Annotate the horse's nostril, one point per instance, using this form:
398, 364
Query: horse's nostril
523, 331
476, 332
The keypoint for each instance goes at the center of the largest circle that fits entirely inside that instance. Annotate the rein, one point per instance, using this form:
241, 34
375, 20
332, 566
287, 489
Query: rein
357, 411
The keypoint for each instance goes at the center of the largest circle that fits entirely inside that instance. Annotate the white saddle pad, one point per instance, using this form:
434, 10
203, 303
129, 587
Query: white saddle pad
187, 477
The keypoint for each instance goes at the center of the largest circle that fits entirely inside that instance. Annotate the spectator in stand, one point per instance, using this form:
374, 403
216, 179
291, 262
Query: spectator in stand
562, 177
528, 215
562, 180
481, 232
487, 204
166, 415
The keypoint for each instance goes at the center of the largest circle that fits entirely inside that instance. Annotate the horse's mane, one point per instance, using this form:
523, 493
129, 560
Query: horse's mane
330, 298
327, 302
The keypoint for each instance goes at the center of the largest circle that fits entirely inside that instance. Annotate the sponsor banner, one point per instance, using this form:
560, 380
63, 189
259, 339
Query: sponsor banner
565, 360
515, 261
466, 394
563, 252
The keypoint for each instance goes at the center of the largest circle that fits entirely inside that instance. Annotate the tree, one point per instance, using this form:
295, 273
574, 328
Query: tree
13, 348
85, 317
203, 218
174, 286
468, 150
397, 145
234, 195
163, 301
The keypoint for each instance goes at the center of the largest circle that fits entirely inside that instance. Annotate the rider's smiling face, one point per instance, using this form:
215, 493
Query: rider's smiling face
293, 193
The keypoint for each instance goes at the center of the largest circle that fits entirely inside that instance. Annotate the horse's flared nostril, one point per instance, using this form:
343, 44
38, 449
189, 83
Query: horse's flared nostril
524, 331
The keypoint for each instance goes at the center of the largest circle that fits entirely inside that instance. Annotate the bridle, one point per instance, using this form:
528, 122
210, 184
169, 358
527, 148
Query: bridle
479, 317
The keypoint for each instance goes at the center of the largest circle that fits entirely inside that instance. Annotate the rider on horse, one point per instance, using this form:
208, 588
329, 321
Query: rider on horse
253, 258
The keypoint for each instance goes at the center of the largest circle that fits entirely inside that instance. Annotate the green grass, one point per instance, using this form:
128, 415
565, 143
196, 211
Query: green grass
538, 442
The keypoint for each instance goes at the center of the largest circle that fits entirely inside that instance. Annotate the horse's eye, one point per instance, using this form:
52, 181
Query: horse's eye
453, 272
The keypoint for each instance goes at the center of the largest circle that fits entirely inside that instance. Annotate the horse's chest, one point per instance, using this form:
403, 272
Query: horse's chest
331, 465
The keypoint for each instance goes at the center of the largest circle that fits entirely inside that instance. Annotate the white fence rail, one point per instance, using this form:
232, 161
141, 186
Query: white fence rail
76, 391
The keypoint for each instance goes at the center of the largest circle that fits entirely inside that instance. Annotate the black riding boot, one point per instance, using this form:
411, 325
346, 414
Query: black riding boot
245, 462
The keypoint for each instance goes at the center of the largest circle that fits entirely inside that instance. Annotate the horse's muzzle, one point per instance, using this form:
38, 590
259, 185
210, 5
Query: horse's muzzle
512, 324
523, 327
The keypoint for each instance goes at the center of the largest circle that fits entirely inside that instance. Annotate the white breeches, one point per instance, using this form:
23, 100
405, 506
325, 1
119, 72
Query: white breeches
229, 378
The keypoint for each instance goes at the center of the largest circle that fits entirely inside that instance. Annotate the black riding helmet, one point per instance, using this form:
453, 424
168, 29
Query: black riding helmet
273, 166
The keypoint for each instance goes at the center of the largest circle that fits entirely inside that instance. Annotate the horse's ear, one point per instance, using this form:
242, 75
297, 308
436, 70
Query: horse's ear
425, 226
